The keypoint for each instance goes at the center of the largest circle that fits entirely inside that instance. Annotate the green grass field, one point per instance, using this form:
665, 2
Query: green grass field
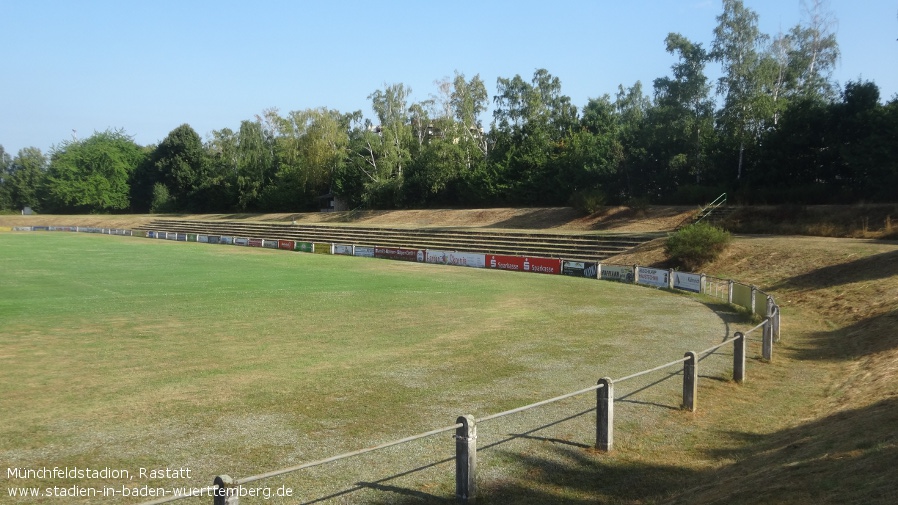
132, 353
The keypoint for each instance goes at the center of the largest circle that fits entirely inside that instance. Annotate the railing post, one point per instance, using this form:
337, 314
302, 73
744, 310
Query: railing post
754, 292
702, 289
465, 460
767, 340
690, 381
635, 274
670, 278
730, 291
605, 414
224, 492
739, 358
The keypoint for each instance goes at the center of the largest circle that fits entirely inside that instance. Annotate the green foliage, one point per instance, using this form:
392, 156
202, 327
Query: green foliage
162, 200
92, 175
589, 201
696, 245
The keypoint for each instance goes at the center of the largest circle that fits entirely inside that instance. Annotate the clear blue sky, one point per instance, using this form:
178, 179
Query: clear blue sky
149, 66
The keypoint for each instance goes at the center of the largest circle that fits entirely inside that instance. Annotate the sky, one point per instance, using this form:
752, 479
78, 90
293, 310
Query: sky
74, 67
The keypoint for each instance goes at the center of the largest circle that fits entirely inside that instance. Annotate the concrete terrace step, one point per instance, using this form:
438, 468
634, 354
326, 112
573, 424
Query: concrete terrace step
591, 247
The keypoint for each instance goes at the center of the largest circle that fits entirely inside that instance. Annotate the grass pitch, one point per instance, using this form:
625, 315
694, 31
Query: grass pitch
128, 353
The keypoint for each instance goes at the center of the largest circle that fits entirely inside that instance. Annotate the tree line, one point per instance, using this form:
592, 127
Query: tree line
774, 128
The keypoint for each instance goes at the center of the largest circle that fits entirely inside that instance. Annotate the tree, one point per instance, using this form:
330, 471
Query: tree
180, 162
92, 175
737, 46
682, 119
5, 162
24, 178
255, 164
531, 122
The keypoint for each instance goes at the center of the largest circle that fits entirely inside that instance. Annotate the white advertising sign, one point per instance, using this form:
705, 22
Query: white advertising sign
367, 252
654, 277
456, 258
617, 273
688, 282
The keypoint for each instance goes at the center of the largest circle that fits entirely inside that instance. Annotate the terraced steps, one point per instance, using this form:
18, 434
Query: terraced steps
586, 247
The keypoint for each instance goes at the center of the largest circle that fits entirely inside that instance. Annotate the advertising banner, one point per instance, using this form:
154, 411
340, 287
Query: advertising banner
203, 239
254, 242
224, 239
456, 258
150, 234
241, 241
182, 237
760, 303
191, 237
363, 251
657, 277
40, 228
587, 269
172, 236
304, 247
688, 282
392, 253
524, 264
343, 249
269, 244
321, 248
22, 228
617, 273
5, 228
287, 245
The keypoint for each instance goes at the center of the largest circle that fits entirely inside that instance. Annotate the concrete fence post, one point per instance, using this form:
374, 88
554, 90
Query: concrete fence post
670, 278
605, 415
465, 460
767, 340
599, 271
635, 274
702, 289
730, 291
225, 492
754, 294
739, 358
690, 381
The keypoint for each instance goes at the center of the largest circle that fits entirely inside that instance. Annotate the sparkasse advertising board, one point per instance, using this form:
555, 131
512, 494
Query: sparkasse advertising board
524, 264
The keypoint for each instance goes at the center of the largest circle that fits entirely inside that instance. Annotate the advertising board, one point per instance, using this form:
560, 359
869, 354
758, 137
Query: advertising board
321, 248
304, 247
619, 273
456, 258
657, 277
203, 239
287, 245
224, 239
587, 269
343, 249
400, 254
524, 264
363, 251
241, 241
182, 237
191, 237
269, 244
172, 236
254, 242
688, 282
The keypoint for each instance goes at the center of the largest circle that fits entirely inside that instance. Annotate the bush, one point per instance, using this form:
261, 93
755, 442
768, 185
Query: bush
162, 200
696, 245
588, 201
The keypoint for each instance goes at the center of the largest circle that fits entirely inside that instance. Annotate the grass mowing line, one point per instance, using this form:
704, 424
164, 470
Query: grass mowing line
131, 353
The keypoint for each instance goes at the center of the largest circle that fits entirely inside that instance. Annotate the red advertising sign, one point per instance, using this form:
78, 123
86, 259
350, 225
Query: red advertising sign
286, 244
255, 242
399, 254
524, 264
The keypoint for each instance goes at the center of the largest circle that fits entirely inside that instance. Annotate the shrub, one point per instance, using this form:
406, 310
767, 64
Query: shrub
696, 245
162, 200
588, 201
